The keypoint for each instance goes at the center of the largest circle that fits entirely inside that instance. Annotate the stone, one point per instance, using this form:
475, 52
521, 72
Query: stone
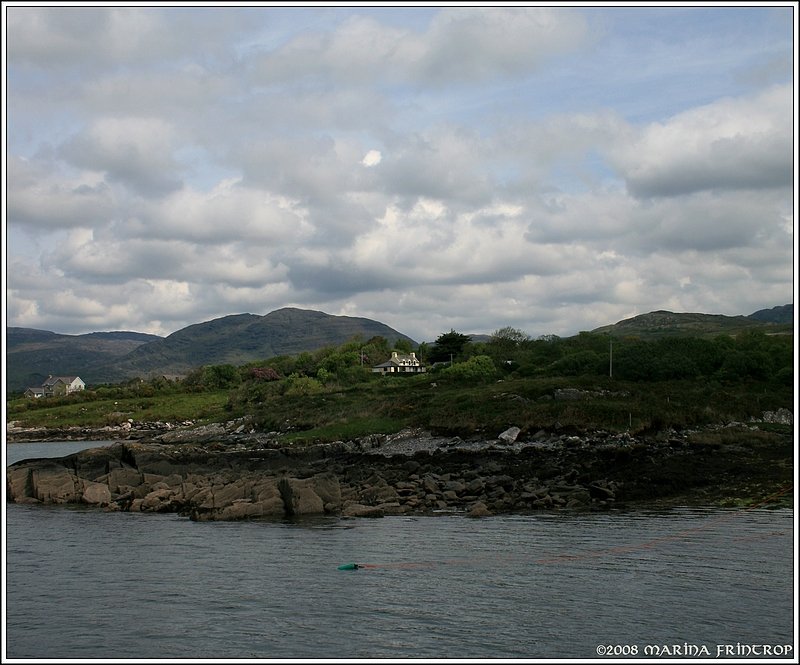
96, 493
510, 435
360, 510
53, 483
157, 501
299, 497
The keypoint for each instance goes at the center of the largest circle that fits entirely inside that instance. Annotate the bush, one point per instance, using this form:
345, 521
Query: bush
302, 385
476, 369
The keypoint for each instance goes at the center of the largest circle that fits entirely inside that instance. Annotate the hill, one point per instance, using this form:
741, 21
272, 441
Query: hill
32, 355
662, 323
234, 339
779, 314
242, 338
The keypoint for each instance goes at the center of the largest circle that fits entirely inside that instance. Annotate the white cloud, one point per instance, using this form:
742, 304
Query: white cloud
134, 151
743, 143
41, 196
372, 158
466, 167
461, 45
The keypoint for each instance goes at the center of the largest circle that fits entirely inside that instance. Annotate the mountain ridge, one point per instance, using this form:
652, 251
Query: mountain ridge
114, 356
32, 355
662, 322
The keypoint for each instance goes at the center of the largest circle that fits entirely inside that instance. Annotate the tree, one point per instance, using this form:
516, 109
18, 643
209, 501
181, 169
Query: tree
448, 346
403, 346
504, 344
477, 369
508, 336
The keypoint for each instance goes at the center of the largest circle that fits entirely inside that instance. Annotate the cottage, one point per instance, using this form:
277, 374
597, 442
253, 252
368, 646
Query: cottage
403, 364
55, 386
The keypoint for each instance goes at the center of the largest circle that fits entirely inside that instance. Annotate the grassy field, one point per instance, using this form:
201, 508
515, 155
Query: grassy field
177, 407
388, 404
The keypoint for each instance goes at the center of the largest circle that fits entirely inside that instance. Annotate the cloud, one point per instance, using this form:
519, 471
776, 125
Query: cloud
461, 45
96, 38
730, 144
548, 168
134, 151
372, 158
40, 197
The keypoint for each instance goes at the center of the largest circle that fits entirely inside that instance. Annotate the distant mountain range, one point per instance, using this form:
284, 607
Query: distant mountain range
111, 357
663, 323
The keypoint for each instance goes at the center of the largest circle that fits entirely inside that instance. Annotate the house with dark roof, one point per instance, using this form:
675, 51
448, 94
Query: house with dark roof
400, 364
55, 386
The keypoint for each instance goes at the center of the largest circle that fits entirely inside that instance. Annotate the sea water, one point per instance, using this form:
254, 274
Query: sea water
82, 583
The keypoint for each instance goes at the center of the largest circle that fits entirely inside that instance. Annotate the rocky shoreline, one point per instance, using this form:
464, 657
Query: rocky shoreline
228, 472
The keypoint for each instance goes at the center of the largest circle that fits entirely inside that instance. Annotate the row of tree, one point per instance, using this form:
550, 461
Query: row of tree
508, 353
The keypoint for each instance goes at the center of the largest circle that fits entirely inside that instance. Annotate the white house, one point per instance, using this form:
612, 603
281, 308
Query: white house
402, 364
61, 385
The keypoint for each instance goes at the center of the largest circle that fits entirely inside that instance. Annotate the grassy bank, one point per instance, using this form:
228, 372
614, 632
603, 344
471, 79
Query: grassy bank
84, 411
450, 407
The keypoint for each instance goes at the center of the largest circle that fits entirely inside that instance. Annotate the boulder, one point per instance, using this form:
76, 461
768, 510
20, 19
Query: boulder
245, 508
53, 483
360, 510
19, 484
299, 497
479, 509
96, 493
510, 435
157, 501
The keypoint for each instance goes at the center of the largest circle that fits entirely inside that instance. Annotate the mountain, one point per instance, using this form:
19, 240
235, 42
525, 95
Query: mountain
235, 339
779, 314
32, 355
662, 323
242, 338
110, 357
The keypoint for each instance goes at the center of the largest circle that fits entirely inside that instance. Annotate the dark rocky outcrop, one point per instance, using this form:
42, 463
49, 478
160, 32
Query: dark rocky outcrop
411, 472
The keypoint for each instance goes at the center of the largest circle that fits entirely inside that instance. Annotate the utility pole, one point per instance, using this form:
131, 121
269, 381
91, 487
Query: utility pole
610, 356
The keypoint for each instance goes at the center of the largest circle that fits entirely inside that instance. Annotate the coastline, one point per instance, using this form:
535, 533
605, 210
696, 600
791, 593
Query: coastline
225, 472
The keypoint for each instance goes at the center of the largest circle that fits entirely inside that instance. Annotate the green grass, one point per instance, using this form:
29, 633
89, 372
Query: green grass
198, 407
446, 407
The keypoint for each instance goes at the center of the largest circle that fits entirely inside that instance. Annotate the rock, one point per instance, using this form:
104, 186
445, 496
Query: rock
510, 435
782, 416
53, 483
18, 484
245, 508
157, 501
479, 509
96, 493
124, 476
360, 510
299, 497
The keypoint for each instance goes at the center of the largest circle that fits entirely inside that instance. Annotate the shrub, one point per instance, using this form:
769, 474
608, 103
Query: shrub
476, 369
302, 385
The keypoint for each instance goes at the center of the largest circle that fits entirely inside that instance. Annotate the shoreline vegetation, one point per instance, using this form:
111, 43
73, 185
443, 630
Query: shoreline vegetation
500, 429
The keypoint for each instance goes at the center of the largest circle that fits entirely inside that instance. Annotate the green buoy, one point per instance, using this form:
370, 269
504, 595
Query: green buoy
349, 566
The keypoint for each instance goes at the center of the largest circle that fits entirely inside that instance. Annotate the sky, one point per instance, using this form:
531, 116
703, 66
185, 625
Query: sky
435, 167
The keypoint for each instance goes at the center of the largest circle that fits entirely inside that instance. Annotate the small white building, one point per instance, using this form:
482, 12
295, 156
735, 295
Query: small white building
62, 385
400, 364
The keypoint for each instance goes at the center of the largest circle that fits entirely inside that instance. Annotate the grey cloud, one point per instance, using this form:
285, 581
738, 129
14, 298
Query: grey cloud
731, 144
39, 198
138, 159
729, 164
475, 44
94, 38
461, 45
